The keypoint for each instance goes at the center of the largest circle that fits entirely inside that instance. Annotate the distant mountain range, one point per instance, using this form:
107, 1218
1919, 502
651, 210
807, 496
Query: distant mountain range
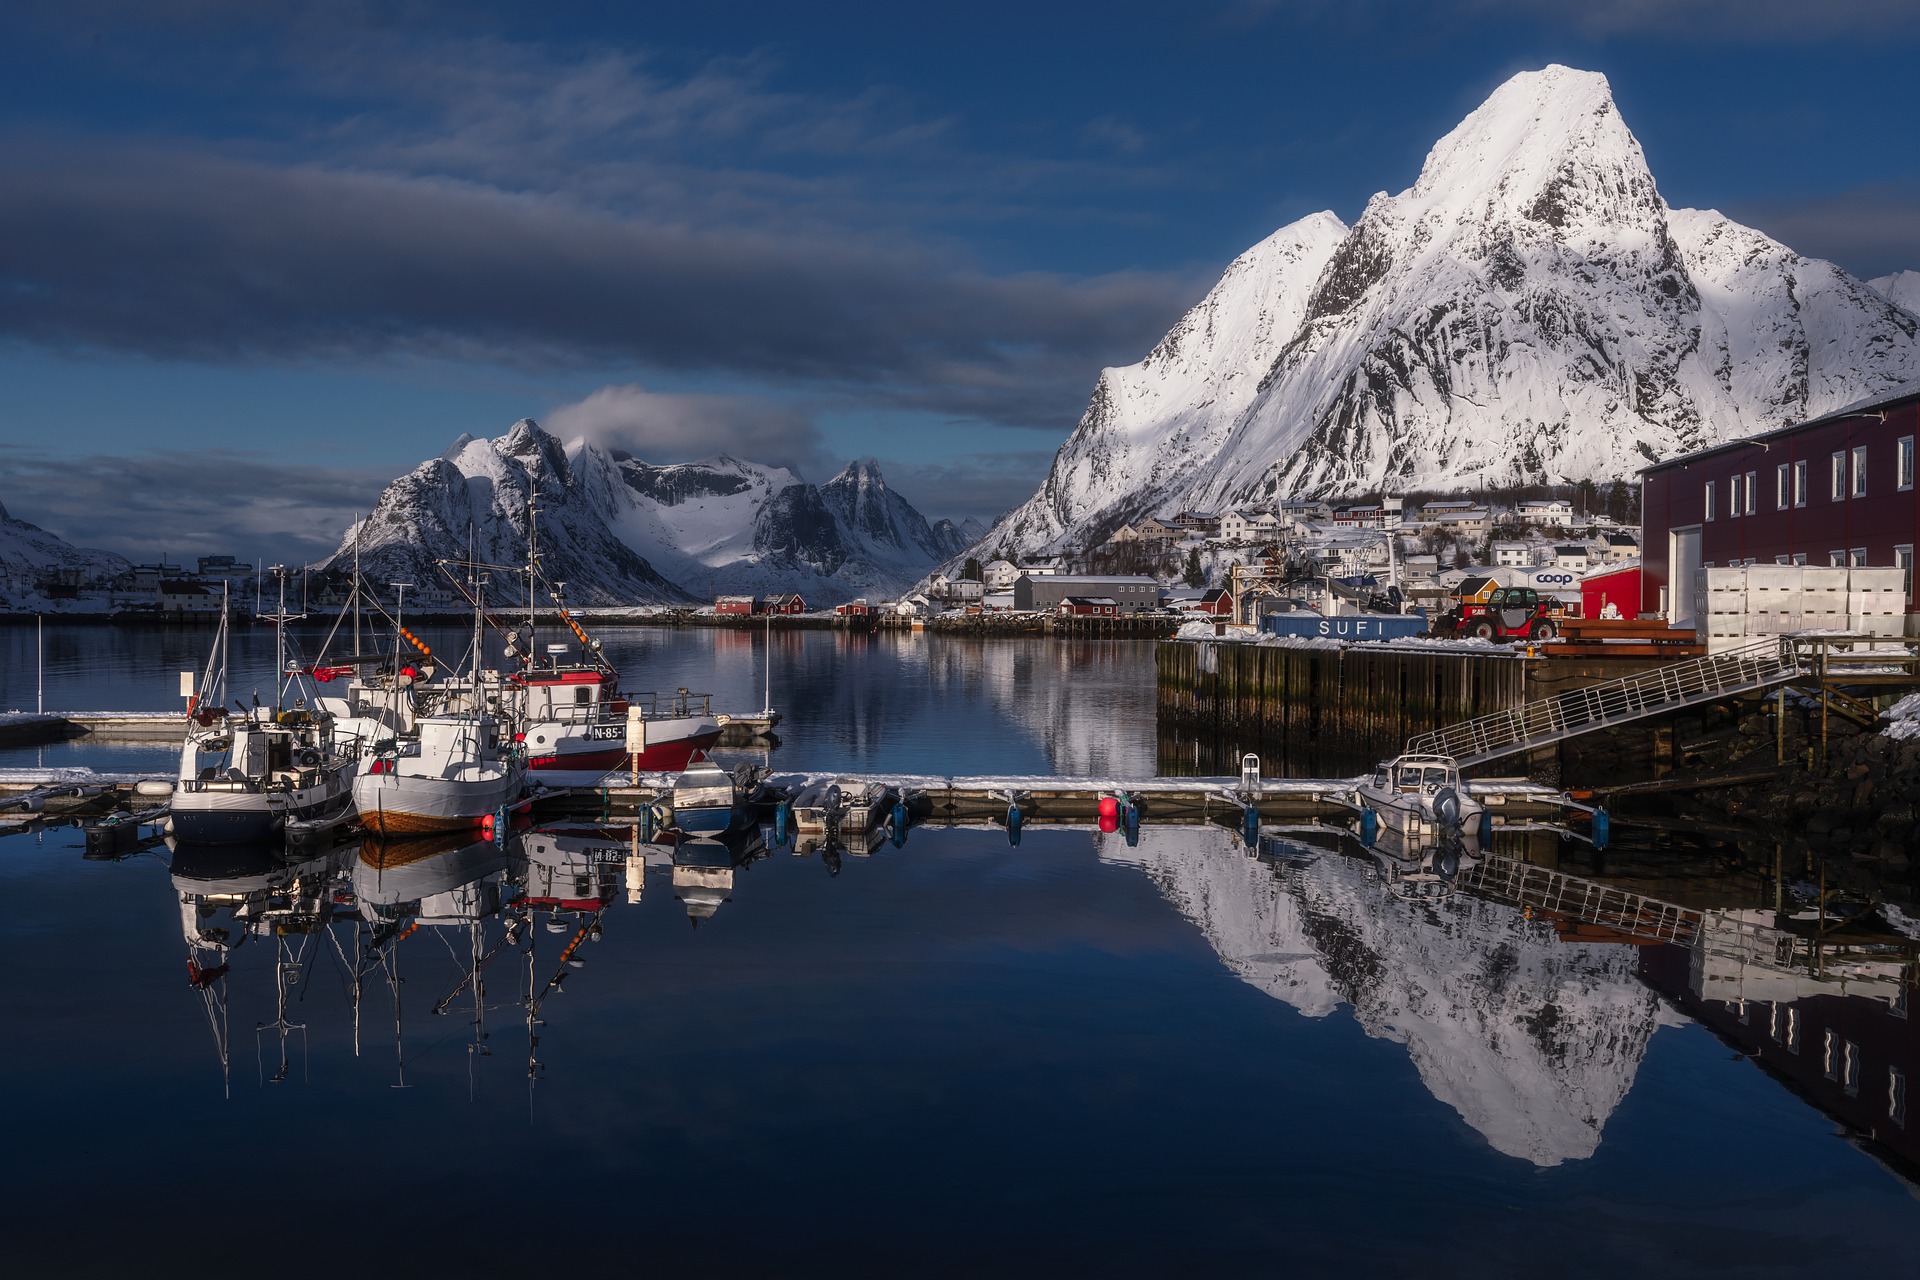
1530, 309
618, 530
27, 549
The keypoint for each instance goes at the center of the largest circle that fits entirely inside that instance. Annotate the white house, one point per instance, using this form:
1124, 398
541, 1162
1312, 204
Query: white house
999, 575
1547, 511
1512, 555
1575, 556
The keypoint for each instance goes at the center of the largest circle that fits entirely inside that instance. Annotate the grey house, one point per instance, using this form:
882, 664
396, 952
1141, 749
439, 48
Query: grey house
1131, 593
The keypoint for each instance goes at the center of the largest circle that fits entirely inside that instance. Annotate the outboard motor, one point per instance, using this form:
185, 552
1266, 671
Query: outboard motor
1446, 807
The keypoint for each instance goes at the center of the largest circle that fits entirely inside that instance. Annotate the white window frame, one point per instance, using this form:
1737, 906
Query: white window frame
1793, 1029
1799, 557
1753, 492
1709, 493
1783, 559
1830, 1054
1733, 496
1858, 472
1850, 1068
1903, 560
1897, 1096
1782, 487
1837, 476
1800, 483
1857, 558
1903, 455
1836, 559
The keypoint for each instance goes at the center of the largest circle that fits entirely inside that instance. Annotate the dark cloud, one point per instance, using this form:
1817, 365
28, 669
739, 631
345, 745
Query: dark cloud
189, 504
1869, 230
1721, 20
185, 255
666, 427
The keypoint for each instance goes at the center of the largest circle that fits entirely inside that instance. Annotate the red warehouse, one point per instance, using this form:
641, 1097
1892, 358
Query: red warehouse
1833, 491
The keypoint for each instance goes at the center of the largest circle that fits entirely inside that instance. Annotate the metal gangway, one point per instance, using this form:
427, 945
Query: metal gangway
1582, 899
1566, 715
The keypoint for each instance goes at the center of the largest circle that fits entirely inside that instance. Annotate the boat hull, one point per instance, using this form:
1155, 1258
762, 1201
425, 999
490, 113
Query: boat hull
250, 817
402, 804
567, 756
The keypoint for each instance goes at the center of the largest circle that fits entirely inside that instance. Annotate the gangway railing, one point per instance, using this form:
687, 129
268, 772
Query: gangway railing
1645, 918
1566, 715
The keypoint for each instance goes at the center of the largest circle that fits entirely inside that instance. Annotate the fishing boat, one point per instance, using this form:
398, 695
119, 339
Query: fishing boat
1420, 795
245, 774
459, 767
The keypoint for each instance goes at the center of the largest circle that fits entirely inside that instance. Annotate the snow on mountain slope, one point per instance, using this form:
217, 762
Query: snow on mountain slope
1530, 308
1532, 1041
25, 549
1149, 423
619, 530
1902, 289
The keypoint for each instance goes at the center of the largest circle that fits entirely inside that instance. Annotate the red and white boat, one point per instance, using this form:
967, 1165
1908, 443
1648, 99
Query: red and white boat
576, 720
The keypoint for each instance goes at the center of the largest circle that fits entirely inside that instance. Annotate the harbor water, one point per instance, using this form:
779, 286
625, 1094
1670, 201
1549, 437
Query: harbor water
950, 1056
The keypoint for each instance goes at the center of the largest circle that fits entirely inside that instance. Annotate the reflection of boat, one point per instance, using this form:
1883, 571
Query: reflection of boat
703, 869
1417, 867
409, 876
868, 805
579, 868
1420, 795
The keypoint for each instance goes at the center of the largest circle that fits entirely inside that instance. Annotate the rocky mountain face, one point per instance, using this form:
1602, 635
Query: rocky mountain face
26, 549
1529, 309
620, 530
1532, 1041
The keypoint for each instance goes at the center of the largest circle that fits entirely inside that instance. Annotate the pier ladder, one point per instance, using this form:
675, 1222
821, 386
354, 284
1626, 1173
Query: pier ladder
1568, 715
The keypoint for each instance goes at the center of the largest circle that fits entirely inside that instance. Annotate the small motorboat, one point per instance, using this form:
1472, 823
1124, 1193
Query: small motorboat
707, 800
816, 810
1420, 795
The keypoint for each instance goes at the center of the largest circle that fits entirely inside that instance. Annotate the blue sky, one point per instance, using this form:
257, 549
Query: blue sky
253, 264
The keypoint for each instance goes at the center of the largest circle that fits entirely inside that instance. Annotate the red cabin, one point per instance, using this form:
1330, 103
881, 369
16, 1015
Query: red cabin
737, 605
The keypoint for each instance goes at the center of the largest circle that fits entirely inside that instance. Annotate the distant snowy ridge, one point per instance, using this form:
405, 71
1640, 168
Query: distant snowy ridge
1529, 309
27, 549
1902, 289
619, 530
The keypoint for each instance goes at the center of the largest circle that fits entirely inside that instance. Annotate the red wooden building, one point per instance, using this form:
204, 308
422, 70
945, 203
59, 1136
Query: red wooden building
1089, 606
736, 605
1833, 491
853, 609
786, 604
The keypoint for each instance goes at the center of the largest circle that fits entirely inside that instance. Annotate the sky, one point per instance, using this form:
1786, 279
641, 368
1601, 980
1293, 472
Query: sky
257, 260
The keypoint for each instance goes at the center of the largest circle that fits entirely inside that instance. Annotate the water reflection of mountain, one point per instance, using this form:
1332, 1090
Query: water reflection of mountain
1533, 1041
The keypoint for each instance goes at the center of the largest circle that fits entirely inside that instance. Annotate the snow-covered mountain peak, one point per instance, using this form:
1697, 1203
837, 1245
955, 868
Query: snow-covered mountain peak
1540, 137
1528, 308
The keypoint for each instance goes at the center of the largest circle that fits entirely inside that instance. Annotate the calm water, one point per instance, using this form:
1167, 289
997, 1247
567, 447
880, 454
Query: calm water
955, 1057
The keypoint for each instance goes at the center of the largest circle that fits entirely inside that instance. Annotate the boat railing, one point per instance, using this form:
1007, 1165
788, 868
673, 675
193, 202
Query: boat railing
675, 704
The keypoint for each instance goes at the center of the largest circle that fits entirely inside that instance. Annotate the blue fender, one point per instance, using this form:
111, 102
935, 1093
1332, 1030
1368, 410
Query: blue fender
1369, 827
1250, 827
780, 824
1486, 830
1013, 824
1602, 826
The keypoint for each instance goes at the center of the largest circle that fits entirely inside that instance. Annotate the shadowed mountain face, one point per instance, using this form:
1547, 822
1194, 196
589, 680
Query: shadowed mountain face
26, 549
1529, 309
619, 530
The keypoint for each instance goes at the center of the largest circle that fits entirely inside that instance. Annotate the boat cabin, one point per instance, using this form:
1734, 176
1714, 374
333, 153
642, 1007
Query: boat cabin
566, 696
1416, 775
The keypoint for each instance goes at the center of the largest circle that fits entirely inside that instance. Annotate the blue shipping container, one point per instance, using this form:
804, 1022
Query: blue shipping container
1349, 626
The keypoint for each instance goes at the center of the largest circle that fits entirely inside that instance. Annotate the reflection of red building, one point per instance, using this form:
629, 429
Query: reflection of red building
1852, 1056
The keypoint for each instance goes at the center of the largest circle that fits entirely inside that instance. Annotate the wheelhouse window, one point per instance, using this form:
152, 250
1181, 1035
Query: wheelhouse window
1800, 483
1837, 481
1903, 452
1859, 471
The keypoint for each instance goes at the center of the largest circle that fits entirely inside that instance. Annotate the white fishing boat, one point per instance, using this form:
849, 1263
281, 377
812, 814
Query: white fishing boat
245, 774
455, 770
1420, 795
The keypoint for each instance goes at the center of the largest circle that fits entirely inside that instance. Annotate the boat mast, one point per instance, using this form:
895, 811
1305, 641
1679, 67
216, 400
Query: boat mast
280, 642
357, 526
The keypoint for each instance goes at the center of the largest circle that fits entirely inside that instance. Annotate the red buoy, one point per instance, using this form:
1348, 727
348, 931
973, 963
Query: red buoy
1109, 808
